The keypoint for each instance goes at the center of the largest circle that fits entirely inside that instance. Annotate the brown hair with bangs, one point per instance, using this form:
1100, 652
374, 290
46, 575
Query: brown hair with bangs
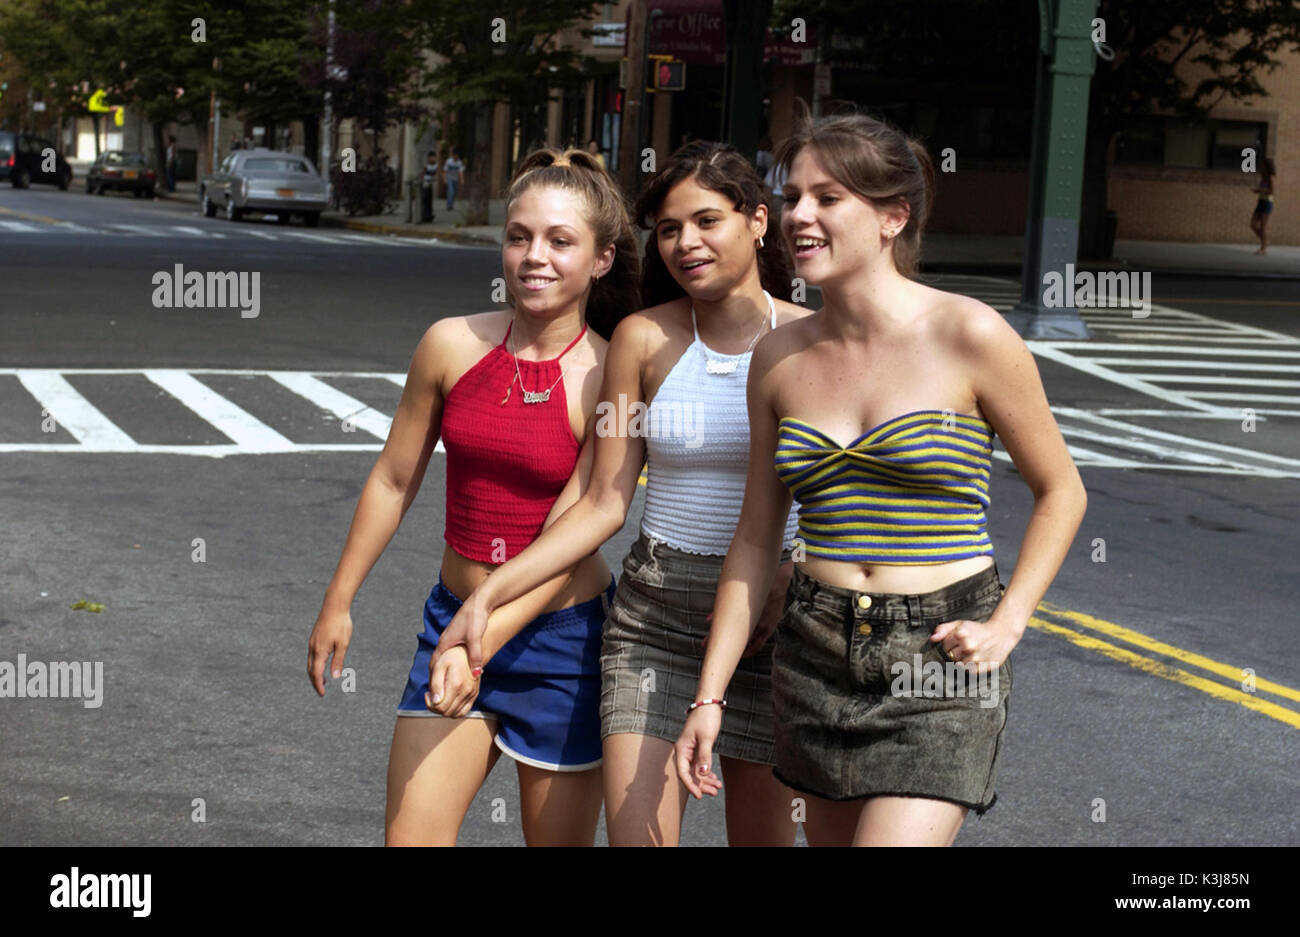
720, 168
604, 208
876, 161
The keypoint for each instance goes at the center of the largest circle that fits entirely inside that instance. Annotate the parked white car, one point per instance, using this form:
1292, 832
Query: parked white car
265, 181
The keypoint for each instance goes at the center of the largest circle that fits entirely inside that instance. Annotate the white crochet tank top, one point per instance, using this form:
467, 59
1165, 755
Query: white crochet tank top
697, 448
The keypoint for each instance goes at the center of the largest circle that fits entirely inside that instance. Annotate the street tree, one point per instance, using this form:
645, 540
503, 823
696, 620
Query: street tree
495, 52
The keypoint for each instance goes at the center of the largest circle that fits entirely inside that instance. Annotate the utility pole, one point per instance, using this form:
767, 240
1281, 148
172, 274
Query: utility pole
327, 120
629, 157
746, 28
1065, 64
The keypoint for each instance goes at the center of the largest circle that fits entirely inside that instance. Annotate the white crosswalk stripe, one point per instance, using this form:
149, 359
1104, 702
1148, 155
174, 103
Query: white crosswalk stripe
249, 434
244, 429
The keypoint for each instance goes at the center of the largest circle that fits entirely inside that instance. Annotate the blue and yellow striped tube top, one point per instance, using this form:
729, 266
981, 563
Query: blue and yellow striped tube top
911, 491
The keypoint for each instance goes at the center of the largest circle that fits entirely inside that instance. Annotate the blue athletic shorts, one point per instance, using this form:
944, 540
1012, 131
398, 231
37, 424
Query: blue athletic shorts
543, 687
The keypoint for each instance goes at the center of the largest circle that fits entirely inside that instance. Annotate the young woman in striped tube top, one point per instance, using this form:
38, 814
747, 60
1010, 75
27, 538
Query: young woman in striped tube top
712, 271
877, 413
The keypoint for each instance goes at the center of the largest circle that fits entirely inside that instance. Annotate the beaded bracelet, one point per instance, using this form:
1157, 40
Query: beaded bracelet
705, 702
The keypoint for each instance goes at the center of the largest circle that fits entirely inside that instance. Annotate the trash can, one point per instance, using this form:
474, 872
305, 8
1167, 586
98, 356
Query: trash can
186, 162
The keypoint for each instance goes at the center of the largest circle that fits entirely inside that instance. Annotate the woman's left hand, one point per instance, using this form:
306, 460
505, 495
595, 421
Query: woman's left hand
986, 644
773, 610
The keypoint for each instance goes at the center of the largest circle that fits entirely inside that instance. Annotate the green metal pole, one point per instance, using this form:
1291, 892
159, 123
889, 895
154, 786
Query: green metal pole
1065, 64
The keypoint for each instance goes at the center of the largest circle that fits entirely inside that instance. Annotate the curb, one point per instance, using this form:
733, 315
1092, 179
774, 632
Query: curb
437, 234
1014, 271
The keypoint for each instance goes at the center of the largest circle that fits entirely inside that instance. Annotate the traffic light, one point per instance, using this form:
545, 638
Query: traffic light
670, 76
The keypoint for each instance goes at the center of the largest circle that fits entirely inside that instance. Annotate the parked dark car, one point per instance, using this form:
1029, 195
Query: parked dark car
22, 161
120, 169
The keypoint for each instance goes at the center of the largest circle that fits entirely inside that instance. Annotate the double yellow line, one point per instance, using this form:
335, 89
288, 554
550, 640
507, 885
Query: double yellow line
1231, 694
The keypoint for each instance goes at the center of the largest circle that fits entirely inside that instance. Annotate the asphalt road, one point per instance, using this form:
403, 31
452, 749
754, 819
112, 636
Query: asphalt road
1129, 689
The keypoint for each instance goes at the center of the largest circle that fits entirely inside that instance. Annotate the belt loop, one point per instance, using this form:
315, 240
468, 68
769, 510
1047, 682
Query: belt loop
914, 615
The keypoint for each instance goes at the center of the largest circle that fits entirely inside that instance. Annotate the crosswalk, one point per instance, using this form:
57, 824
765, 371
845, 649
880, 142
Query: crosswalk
63, 414
1192, 366
1204, 366
63, 417
1220, 371
222, 231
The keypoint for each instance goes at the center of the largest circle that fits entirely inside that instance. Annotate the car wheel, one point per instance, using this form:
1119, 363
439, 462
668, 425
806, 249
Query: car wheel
209, 209
65, 180
311, 219
148, 193
282, 217
22, 179
137, 193
233, 212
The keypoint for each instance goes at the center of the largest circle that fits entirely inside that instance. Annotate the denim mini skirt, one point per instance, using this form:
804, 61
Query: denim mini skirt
865, 704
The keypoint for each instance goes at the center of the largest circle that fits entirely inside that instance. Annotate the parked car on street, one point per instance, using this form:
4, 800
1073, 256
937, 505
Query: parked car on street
22, 161
120, 169
268, 182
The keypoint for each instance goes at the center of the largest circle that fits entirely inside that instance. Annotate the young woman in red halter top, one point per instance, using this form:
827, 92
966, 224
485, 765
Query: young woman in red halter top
512, 394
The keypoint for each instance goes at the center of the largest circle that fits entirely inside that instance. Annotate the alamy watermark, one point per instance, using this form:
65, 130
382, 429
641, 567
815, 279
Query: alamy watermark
930, 679
661, 420
217, 290
86, 890
1110, 289
60, 679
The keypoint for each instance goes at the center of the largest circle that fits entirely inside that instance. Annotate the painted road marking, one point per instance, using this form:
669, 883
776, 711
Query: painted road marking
242, 428
76, 414
1165, 671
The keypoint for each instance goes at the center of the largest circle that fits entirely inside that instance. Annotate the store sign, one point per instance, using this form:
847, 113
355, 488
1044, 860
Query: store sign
609, 35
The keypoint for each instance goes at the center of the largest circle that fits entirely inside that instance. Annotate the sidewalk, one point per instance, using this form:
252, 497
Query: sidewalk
993, 255
1003, 255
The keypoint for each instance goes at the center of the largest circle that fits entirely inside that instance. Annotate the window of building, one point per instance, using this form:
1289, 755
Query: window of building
1176, 143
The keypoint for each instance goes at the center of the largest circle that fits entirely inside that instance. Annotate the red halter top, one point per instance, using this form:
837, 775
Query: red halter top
507, 461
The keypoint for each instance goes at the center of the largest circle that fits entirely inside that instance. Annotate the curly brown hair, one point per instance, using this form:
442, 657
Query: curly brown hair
721, 168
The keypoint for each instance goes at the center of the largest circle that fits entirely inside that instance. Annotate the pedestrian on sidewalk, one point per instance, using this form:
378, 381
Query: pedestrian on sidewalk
171, 164
452, 170
518, 451
1263, 206
593, 147
427, 183
688, 352
897, 573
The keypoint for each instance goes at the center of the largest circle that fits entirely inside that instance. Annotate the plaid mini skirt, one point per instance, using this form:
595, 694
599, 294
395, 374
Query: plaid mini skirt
651, 654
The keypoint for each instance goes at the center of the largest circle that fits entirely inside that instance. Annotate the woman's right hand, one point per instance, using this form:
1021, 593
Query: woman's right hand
694, 750
466, 628
331, 635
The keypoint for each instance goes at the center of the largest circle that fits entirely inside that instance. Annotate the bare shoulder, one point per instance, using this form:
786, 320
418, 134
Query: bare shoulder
789, 312
451, 346
776, 351
463, 332
651, 327
972, 327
